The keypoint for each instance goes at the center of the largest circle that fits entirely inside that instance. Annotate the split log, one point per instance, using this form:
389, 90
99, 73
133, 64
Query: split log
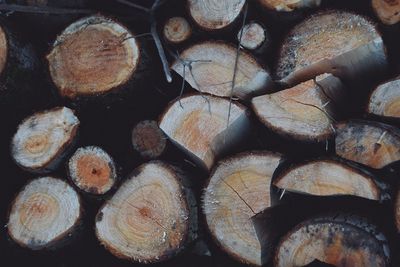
289, 5
341, 240
328, 177
388, 11
305, 112
151, 218
209, 67
370, 143
93, 56
44, 214
205, 127
385, 100
213, 15
253, 36
239, 188
44, 139
92, 170
177, 30
337, 42
148, 139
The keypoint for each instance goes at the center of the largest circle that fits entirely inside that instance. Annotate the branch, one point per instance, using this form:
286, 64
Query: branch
43, 10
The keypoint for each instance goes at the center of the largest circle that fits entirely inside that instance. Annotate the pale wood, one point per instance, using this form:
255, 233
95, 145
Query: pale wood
388, 11
344, 44
370, 143
3, 49
152, 216
92, 170
239, 187
148, 139
199, 126
45, 212
177, 30
42, 140
213, 65
254, 36
289, 5
92, 56
385, 100
328, 178
215, 14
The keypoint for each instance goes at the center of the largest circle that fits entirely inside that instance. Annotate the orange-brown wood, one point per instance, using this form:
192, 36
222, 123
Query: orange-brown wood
388, 11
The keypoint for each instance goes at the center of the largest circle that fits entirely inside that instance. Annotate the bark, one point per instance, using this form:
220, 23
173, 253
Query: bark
148, 139
385, 100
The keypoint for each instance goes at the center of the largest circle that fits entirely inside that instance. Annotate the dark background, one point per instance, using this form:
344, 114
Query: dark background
108, 123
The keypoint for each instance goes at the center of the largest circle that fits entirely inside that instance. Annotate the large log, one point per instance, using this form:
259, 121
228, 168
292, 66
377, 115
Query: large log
151, 218
385, 100
388, 11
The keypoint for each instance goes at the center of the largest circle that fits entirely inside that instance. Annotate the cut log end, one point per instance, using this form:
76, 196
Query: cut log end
328, 178
44, 213
215, 14
150, 218
238, 189
200, 126
289, 5
373, 144
93, 56
3, 49
92, 170
148, 139
177, 30
253, 36
388, 11
385, 100
338, 240
43, 139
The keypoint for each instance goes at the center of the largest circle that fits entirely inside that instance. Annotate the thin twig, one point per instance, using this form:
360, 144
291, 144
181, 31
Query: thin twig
43, 10
130, 4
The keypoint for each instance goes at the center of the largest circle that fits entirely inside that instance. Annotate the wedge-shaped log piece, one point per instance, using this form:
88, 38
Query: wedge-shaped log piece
93, 56
289, 5
328, 178
211, 70
199, 125
304, 112
151, 218
385, 100
344, 44
239, 188
340, 240
370, 143
388, 11
44, 214
215, 14
42, 140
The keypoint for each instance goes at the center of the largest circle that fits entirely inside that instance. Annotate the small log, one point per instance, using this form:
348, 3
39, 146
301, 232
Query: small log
254, 37
212, 15
385, 100
305, 112
44, 214
288, 6
370, 143
44, 139
92, 170
93, 56
239, 187
328, 177
151, 218
148, 139
199, 126
388, 11
177, 30
209, 67
340, 240
337, 42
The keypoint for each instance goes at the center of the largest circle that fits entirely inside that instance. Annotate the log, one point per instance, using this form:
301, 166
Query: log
388, 11
397, 211
148, 139
45, 214
304, 112
328, 177
337, 42
92, 170
254, 37
339, 239
209, 67
370, 143
199, 126
151, 218
211, 15
44, 139
385, 100
288, 6
93, 56
177, 30
238, 188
